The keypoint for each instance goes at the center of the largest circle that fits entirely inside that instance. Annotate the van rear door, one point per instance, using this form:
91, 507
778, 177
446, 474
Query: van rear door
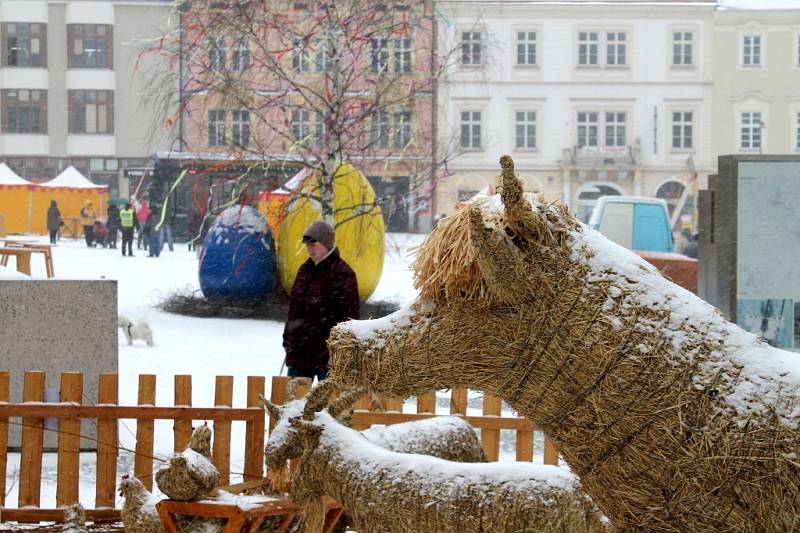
651, 231
617, 223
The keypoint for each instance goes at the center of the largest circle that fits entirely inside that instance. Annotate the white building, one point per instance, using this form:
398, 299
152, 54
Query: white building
590, 98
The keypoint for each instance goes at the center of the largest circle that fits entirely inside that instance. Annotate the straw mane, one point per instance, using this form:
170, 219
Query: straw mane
639, 383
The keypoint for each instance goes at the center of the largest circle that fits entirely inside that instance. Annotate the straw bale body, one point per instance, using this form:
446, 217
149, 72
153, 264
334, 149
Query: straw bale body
674, 419
139, 513
74, 519
392, 492
190, 475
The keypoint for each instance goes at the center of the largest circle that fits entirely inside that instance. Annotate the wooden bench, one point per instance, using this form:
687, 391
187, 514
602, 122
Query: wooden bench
243, 519
22, 251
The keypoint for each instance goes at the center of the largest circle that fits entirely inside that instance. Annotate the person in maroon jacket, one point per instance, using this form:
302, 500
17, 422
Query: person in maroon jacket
325, 292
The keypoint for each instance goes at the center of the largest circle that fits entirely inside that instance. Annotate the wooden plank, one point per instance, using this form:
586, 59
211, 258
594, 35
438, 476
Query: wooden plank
254, 431
391, 403
69, 442
524, 445
458, 402
303, 387
490, 438
53, 515
366, 419
106, 443
130, 411
183, 397
145, 429
277, 395
30, 461
426, 403
221, 451
550, 452
5, 396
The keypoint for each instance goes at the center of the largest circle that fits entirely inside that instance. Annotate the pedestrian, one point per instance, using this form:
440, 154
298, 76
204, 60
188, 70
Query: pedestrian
128, 222
194, 228
87, 220
53, 220
165, 226
325, 292
142, 212
112, 225
151, 234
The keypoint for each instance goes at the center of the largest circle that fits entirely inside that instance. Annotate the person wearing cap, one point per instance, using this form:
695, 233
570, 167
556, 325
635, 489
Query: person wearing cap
87, 221
325, 292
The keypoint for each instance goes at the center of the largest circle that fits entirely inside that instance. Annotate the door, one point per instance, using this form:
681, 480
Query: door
651, 229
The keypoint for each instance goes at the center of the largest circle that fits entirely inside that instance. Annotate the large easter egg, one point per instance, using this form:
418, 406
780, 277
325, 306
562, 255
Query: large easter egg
358, 222
238, 260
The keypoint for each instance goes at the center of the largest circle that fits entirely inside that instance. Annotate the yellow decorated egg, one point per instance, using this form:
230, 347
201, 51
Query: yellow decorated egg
358, 222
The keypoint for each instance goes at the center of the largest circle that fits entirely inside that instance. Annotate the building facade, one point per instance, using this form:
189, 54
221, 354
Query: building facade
73, 87
590, 99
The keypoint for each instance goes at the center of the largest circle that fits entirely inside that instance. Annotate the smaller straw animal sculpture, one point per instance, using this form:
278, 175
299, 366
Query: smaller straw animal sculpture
190, 475
393, 492
450, 438
74, 519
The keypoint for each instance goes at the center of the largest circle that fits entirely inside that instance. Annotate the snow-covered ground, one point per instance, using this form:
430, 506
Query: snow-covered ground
201, 347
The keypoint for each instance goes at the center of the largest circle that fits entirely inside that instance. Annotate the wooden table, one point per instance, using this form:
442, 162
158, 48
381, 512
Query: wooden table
240, 519
72, 227
22, 251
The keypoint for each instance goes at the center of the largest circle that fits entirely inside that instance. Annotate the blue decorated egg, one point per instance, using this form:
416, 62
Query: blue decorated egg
238, 259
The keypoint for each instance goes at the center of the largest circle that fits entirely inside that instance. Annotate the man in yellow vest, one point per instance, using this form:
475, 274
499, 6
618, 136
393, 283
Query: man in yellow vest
128, 222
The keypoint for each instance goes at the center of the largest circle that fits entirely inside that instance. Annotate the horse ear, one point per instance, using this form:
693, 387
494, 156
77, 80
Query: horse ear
317, 399
518, 214
500, 261
274, 410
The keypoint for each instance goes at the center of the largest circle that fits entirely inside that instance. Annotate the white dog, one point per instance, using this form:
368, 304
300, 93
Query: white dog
139, 330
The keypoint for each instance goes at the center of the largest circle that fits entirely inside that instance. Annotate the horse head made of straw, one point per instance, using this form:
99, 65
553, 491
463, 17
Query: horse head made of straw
670, 415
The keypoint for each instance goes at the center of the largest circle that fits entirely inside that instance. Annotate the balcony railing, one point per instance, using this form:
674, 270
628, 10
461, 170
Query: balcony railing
602, 156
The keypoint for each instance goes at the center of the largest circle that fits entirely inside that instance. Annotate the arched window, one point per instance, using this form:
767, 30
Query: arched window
588, 195
672, 192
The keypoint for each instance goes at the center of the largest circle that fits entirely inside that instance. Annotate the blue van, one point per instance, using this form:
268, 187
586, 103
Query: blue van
635, 222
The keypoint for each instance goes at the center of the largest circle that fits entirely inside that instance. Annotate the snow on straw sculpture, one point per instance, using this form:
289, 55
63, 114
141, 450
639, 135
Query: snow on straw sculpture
139, 513
74, 519
190, 475
451, 438
674, 419
392, 492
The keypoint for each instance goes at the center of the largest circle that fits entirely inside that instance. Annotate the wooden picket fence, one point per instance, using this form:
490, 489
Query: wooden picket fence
107, 414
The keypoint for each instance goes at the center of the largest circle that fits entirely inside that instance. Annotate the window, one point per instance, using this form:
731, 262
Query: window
216, 53
750, 131
240, 128
300, 57
380, 55
615, 129
471, 48
402, 55
24, 44
797, 50
587, 48
751, 51
216, 127
682, 130
320, 128
24, 111
797, 132
587, 129
615, 48
240, 58
682, 44
402, 129
526, 48
90, 45
322, 61
91, 111
526, 129
471, 130
301, 124
380, 129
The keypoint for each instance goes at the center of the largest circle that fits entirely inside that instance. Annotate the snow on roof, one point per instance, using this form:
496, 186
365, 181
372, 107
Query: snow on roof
70, 177
9, 177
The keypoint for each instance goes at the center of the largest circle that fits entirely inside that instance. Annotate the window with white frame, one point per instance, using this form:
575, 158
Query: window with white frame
588, 43
471, 130
616, 48
320, 128
750, 130
402, 128
379, 55
797, 49
216, 53
240, 57
301, 124
322, 59
91, 111
216, 127
587, 128
380, 129
526, 48
682, 48
240, 128
471, 48
797, 131
682, 130
402, 55
525, 122
300, 62
751, 50
615, 128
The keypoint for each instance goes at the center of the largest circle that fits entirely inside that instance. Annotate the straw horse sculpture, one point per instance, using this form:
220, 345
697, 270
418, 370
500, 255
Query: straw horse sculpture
673, 418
